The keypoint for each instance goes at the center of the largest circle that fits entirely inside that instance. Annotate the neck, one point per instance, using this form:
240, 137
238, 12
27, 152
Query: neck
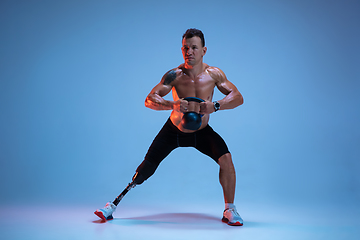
195, 70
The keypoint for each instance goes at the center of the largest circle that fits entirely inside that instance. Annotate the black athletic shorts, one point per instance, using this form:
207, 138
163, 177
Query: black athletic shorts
170, 137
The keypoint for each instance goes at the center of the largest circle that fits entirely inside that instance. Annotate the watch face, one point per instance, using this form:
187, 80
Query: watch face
217, 106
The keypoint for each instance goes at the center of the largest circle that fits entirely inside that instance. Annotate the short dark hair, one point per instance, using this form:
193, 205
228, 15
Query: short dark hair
191, 32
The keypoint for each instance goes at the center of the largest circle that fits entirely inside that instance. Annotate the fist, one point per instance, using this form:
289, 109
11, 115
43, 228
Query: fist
181, 105
207, 107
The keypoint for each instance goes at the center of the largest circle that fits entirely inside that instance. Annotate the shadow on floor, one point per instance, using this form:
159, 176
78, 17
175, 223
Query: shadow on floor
172, 220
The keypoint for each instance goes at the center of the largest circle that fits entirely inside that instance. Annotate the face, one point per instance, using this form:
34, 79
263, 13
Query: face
192, 51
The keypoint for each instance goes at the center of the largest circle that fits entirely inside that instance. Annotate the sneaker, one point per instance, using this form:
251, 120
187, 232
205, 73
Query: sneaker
106, 212
232, 217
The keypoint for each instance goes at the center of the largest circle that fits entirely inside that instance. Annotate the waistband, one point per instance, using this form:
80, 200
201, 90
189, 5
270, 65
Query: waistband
171, 125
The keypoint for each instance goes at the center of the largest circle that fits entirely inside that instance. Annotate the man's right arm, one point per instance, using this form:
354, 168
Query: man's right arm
155, 98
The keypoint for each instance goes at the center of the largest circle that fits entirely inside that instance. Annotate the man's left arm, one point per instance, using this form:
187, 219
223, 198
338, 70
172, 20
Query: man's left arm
232, 99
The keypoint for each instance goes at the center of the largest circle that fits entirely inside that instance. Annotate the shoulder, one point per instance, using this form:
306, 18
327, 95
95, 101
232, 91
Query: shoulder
170, 76
216, 73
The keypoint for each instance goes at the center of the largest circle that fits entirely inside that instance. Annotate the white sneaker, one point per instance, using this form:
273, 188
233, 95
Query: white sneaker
106, 212
232, 217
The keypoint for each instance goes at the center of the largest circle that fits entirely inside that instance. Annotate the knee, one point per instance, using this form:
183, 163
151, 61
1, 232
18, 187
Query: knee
225, 161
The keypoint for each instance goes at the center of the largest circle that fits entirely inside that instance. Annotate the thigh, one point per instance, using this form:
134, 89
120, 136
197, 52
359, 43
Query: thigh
211, 143
164, 142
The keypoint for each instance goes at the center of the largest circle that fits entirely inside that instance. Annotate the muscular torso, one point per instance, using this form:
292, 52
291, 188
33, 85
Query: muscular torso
201, 86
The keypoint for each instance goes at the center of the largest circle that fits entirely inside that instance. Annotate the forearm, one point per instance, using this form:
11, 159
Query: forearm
156, 102
232, 100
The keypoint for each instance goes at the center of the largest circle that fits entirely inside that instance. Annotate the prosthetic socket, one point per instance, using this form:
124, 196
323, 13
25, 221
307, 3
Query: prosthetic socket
143, 172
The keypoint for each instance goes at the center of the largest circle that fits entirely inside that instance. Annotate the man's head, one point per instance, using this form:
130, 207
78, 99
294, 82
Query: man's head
192, 32
193, 47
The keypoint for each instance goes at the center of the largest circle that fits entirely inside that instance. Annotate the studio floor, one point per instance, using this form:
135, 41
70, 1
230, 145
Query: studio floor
153, 221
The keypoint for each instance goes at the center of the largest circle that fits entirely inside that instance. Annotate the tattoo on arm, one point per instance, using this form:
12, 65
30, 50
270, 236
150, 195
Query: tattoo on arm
169, 77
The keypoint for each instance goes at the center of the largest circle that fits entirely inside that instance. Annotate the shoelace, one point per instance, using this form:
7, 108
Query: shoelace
233, 211
108, 207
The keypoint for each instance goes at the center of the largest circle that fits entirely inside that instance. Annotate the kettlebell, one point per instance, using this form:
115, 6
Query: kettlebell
192, 120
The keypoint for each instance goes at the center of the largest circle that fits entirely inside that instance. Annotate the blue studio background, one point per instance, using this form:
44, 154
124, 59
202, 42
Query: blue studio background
74, 76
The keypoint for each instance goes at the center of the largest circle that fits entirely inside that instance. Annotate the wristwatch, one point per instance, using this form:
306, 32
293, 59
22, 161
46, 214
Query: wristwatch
216, 105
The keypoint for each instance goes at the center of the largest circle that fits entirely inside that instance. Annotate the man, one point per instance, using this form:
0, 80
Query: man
193, 79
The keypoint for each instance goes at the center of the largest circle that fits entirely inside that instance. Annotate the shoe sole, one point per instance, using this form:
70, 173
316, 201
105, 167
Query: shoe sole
237, 223
100, 215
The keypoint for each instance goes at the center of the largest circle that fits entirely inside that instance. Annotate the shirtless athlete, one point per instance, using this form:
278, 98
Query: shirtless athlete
193, 78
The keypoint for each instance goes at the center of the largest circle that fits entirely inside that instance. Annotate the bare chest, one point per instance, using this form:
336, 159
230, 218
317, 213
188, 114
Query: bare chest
201, 86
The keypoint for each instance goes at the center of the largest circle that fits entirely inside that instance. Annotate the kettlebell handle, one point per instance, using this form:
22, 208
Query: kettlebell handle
194, 99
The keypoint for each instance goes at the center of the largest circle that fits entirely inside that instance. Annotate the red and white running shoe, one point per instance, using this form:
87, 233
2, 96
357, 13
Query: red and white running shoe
106, 212
232, 217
